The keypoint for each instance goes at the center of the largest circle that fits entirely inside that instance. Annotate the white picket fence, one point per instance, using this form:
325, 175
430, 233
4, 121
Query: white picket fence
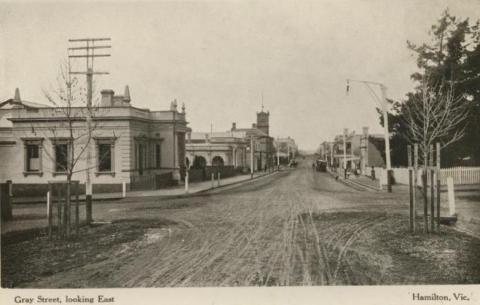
460, 175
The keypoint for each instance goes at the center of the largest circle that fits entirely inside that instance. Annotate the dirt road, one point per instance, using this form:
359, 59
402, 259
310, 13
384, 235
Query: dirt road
299, 227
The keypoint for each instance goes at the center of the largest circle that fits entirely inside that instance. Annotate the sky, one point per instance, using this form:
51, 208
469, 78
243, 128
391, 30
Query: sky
222, 58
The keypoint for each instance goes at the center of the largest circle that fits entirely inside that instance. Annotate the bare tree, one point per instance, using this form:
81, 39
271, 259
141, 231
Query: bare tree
435, 114
69, 132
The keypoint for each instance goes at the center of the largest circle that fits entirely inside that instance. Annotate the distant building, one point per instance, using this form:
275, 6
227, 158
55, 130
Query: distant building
263, 148
139, 147
217, 149
326, 152
362, 150
286, 149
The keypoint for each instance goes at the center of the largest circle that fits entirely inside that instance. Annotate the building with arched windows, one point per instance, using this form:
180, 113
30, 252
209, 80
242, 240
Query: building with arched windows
234, 148
216, 149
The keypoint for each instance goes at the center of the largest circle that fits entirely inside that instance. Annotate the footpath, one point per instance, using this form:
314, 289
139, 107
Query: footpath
360, 182
174, 191
30, 213
467, 199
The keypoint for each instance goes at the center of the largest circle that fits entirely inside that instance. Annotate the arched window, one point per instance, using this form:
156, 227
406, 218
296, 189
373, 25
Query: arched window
217, 161
199, 162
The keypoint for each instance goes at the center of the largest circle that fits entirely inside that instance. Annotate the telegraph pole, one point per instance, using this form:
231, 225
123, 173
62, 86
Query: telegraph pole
87, 51
383, 103
345, 132
278, 154
251, 156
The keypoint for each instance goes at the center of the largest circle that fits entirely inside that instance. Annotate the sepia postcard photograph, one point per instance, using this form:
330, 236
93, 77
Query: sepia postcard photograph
240, 152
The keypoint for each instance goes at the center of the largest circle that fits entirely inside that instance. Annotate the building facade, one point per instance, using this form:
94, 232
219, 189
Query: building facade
216, 149
261, 151
143, 149
238, 148
362, 151
286, 149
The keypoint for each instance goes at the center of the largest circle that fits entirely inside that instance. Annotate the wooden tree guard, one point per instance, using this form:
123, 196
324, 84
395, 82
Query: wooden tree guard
438, 186
432, 191
410, 189
415, 176
77, 209
58, 195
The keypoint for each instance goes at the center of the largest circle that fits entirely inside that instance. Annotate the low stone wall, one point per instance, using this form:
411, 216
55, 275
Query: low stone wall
206, 173
151, 182
224, 171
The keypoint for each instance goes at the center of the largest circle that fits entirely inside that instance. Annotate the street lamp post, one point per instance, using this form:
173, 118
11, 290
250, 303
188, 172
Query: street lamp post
383, 103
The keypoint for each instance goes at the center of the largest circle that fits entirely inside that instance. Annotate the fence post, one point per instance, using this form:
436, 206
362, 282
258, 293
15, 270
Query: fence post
77, 208
59, 209
186, 182
124, 189
432, 199
425, 199
6, 207
213, 180
451, 196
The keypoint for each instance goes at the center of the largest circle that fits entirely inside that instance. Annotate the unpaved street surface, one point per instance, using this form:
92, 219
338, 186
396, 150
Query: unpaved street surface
297, 227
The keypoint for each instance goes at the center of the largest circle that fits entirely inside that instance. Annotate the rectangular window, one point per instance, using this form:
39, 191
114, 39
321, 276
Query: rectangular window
349, 148
157, 156
104, 157
61, 157
33, 158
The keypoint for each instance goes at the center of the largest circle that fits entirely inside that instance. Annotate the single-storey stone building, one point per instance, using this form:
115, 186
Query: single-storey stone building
143, 149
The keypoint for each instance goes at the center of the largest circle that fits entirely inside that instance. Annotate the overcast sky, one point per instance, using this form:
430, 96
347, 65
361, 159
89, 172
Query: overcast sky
219, 57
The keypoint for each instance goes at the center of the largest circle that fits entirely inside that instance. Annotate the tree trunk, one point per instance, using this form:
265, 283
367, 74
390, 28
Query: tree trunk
67, 214
425, 199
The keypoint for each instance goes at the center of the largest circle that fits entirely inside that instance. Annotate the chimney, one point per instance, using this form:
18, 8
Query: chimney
17, 98
234, 126
126, 95
107, 98
254, 125
365, 131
